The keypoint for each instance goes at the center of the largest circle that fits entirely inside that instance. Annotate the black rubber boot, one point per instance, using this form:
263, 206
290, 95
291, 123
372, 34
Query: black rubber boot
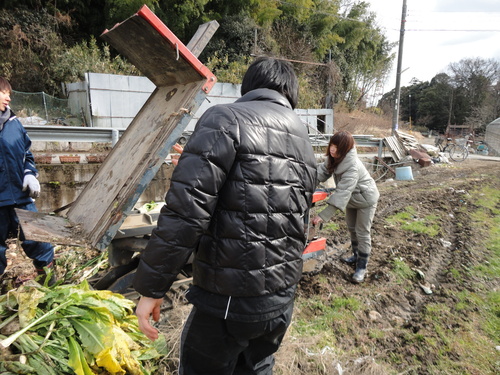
352, 259
46, 275
359, 275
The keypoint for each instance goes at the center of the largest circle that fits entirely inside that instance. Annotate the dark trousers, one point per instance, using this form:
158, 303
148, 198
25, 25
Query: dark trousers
214, 346
42, 253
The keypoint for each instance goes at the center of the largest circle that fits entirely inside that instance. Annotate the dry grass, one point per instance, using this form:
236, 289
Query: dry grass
367, 123
295, 356
358, 122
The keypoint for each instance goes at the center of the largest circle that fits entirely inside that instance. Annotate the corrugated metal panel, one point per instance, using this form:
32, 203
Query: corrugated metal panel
116, 99
492, 135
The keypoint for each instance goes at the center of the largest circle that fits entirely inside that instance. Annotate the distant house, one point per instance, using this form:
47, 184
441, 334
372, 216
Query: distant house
458, 131
492, 136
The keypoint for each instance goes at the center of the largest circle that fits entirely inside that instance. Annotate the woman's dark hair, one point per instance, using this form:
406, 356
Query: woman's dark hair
274, 74
5, 85
345, 143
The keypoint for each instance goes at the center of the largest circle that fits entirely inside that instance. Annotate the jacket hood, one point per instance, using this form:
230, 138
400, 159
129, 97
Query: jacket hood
5, 116
267, 95
349, 159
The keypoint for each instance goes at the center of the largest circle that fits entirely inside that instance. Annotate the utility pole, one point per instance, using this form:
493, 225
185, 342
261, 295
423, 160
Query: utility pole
409, 105
395, 116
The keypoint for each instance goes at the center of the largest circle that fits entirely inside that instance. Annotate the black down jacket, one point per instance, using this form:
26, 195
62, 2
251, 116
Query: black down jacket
237, 199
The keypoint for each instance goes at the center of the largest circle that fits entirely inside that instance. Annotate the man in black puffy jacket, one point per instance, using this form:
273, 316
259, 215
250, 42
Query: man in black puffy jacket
237, 200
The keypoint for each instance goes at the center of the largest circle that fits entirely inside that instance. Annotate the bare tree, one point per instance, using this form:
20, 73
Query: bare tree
478, 78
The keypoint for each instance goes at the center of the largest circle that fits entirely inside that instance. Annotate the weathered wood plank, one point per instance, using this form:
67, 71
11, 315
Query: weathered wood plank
50, 228
408, 141
202, 36
134, 161
183, 83
385, 164
156, 51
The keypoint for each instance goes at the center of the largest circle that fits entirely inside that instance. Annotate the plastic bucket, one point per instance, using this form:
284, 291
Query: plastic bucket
404, 174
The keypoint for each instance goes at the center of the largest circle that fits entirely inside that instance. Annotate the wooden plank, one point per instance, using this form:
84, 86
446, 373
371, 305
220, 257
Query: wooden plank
385, 164
131, 165
202, 36
408, 141
156, 51
182, 84
50, 228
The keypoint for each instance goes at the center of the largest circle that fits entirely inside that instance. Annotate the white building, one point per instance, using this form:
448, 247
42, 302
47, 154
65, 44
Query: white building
112, 101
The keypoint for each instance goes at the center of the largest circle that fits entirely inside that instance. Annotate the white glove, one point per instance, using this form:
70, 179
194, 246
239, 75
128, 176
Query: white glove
30, 182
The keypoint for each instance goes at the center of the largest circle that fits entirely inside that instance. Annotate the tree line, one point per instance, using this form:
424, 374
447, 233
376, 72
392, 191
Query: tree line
337, 48
343, 54
468, 93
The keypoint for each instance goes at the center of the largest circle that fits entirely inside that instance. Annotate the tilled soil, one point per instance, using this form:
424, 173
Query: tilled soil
437, 190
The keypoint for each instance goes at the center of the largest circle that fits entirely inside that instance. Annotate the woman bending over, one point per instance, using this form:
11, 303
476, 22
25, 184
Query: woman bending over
356, 194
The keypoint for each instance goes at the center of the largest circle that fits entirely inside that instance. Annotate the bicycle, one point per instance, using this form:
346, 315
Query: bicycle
456, 152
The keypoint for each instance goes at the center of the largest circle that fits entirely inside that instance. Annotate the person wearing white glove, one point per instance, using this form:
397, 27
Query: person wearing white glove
18, 186
31, 183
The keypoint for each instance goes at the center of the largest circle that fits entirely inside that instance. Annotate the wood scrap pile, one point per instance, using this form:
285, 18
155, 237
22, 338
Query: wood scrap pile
412, 146
408, 141
395, 148
402, 144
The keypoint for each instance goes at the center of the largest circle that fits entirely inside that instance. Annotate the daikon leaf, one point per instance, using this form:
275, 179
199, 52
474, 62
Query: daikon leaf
77, 359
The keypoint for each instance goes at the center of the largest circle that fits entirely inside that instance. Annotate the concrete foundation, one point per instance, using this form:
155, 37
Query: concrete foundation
62, 183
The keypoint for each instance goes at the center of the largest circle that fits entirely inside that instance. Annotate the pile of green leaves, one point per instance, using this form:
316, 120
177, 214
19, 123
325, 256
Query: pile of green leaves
71, 329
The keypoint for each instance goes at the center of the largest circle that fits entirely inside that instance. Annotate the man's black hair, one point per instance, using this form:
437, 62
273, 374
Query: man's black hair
274, 74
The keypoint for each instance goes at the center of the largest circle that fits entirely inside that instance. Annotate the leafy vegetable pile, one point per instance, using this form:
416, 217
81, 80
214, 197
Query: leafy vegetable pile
71, 329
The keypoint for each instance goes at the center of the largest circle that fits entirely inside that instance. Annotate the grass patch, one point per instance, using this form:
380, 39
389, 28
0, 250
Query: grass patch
468, 345
490, 268
325, 318
332, 227
486, 218
401, 270
402, 217
456, 274
409, 221
487, 198
376, 334
459, 346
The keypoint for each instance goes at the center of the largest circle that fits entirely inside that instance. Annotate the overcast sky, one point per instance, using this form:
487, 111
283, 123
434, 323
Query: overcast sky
437, 33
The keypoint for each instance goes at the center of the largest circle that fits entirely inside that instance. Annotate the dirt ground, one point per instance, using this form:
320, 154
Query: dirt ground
395, 308
441, 190
436, 190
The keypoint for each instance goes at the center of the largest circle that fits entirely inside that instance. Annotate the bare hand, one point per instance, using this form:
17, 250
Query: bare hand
178, 148
147, 307
175, 158
316, 220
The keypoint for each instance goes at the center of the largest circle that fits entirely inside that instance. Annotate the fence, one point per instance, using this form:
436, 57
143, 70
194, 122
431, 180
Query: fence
40, 108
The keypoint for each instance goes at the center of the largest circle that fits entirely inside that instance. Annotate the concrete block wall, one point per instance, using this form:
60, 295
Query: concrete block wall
62, 183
